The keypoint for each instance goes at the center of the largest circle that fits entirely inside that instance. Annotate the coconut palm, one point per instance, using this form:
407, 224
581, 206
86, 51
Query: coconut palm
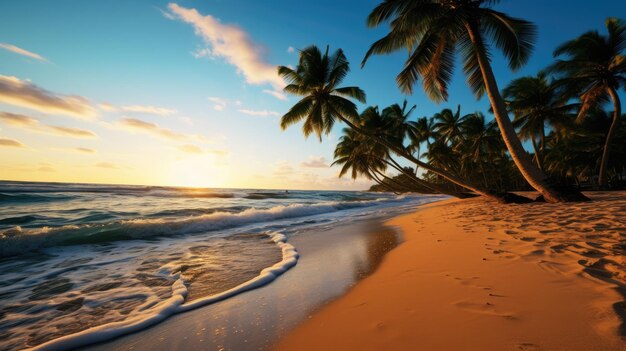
422, 131
595, 66
316, 79
433, 31
447, 124
536, 103
398, 117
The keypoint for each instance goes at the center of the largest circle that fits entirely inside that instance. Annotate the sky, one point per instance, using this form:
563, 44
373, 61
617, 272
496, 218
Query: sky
186, 93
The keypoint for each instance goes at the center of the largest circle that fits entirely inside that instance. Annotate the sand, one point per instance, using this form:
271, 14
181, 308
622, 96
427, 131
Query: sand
475, 275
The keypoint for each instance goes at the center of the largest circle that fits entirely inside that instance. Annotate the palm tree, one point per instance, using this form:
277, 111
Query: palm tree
433, 30
398, 117
316, 78
422, 131
536, 102
447, 123
596, 68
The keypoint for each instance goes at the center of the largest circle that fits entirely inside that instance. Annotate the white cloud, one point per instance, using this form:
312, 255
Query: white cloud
202, 52
152, 110
276, 93
315, 162
22, 52
262, 113
231, 43
219, 104
23, 93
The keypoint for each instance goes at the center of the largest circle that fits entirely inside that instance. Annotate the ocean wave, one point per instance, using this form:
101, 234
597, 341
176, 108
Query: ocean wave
174, 304
18, 240
28, 198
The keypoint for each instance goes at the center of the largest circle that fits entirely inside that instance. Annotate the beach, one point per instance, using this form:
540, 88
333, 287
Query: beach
474, 275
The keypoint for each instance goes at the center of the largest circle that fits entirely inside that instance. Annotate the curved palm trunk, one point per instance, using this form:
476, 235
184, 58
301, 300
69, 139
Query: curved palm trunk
533, 175
393, 181
617, 112
536, 151
419, 163
423, 183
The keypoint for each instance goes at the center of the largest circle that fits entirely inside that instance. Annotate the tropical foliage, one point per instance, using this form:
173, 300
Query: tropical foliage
559, 113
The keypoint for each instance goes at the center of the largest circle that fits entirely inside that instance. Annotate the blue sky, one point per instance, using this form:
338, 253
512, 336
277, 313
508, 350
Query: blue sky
166, 105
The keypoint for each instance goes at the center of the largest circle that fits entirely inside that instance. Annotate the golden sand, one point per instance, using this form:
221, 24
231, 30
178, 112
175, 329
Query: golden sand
475, 275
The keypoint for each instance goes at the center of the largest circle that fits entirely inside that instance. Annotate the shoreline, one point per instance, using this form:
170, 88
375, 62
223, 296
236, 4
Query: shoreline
331, 262
473, 276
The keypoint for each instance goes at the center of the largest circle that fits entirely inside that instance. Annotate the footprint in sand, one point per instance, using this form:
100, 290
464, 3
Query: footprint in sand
484, 308
527, 347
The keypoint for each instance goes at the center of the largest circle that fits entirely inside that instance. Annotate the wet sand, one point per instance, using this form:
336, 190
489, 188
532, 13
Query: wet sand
473, 275
331, 262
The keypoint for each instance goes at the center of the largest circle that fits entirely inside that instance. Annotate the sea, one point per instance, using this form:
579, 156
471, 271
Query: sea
84, 263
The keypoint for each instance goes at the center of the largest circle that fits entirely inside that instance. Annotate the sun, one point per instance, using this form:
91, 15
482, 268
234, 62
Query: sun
196, 172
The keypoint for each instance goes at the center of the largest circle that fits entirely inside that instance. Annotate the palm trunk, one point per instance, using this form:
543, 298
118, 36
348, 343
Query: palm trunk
533, 175
393, 181
542, 145
536, 151
617, 112
419, 163
423, 183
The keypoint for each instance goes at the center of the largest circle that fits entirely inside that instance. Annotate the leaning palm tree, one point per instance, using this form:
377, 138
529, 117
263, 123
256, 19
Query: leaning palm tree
433, 31
596, 68
316, 79
536, 103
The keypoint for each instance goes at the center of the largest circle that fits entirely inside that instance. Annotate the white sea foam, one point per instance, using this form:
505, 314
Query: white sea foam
172, 305
18, 240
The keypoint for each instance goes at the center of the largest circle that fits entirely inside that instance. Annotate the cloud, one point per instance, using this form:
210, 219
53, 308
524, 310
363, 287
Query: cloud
107, 107
152, 128
160, 111
231, 43
26, 122
73, 132
201, 52
217, 152
107, 165
190, 149
219, 104
23, 93
259, 112
276, 93
291, 49
10, 142
22, 52
17, 120
283, 169
315, 162
85, 150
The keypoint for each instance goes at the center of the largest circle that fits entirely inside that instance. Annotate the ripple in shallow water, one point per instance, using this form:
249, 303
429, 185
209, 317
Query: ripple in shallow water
79, 288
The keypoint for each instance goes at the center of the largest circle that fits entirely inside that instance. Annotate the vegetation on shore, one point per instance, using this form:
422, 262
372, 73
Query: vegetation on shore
560, 111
